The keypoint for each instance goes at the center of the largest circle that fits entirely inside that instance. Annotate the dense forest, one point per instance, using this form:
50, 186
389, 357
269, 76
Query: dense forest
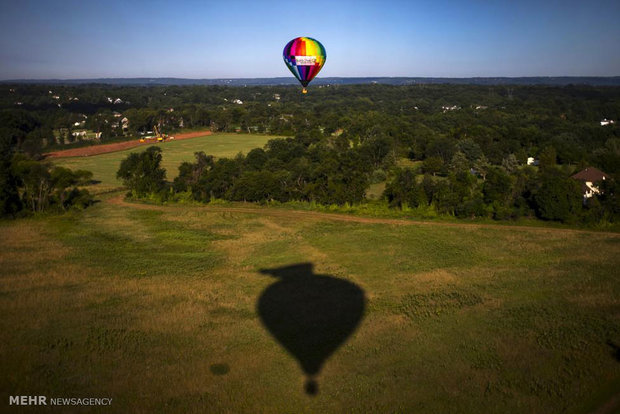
461, 150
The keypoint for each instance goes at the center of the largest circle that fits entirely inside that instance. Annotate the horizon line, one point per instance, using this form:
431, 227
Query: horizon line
326, 77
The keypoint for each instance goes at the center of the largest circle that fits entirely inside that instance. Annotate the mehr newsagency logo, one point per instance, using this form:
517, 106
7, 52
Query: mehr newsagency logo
59, 401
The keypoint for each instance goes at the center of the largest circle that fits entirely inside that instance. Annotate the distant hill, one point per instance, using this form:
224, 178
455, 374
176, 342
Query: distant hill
535, 80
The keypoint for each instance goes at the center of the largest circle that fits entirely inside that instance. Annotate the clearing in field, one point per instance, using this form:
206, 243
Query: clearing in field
209, 309
104, 166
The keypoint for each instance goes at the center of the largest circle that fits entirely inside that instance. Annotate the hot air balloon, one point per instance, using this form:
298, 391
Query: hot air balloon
304, 57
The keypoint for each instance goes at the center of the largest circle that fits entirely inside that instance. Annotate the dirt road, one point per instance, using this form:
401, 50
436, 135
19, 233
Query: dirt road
117, 146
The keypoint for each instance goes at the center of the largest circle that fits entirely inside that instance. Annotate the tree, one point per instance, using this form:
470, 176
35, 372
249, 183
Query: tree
405, 190
497, 192
470, 148
459, 162
610, 199
191, 173
608, 157
374, 150
510, 163
441, 147
44, 187
10, 203
63, 179
257, 186
548, 158
256, 159
432, 165
141, 172
497, 187
444, 198
558, 198
36, 183
481, 165
218, 180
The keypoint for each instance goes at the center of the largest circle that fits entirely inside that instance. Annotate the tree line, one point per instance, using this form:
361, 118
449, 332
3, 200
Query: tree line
332, 172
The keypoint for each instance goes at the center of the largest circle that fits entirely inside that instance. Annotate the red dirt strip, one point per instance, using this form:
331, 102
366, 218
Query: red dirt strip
117, 146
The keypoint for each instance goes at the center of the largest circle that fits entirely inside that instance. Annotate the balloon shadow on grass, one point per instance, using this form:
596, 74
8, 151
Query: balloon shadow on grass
310, 315
615, 350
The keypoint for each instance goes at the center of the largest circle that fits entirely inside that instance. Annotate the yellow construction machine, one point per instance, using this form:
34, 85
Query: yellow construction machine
160, 137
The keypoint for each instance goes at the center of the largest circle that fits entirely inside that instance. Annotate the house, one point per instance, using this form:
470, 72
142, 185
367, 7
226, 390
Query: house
590, 179
607, 122
532, 161
238, 101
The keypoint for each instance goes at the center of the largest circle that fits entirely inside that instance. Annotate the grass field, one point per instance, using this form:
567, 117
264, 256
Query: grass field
230, 308
104, 166
162, 308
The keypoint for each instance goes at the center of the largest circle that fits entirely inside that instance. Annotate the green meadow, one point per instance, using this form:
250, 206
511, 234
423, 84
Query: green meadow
158, 308
104, 166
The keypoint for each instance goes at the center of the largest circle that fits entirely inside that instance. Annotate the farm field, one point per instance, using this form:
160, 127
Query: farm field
215, 309
104, 166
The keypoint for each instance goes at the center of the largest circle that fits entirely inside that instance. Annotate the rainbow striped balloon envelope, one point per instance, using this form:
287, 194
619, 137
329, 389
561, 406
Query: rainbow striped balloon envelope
304, 56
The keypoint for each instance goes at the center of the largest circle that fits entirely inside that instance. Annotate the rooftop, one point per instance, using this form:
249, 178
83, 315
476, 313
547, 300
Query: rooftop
590, 174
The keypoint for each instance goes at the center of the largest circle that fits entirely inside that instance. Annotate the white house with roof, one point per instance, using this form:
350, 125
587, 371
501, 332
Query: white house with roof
590, 179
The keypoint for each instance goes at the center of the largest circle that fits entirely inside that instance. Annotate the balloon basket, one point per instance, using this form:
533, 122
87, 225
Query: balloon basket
304, 90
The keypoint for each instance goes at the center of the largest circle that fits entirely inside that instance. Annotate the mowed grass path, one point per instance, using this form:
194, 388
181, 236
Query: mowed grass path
156, 307
105, 166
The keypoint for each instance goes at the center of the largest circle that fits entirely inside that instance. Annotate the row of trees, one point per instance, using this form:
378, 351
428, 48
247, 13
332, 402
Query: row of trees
547, 193
328, 173
287, 169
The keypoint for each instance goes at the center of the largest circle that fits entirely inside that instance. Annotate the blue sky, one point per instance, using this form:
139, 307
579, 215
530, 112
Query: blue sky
238, 38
